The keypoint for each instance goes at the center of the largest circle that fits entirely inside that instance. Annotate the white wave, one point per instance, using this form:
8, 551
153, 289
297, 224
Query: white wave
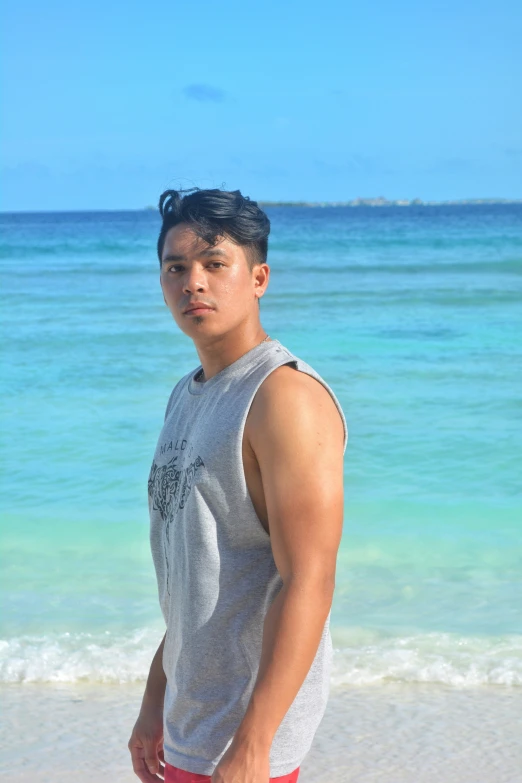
361, 657
73, 657
444, 658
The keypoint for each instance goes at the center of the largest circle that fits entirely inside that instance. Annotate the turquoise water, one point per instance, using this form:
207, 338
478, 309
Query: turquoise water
414, 317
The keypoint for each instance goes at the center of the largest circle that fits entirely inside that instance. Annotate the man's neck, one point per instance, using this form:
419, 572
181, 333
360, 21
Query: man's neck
214, 359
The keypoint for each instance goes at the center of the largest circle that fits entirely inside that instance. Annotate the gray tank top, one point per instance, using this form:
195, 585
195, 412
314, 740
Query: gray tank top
216, 573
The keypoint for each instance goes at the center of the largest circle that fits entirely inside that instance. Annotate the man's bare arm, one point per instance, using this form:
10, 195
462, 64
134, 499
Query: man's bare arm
146, 742
296, 433
154, 693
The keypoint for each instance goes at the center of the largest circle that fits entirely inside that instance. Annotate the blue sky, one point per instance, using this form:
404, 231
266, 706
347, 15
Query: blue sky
104, 105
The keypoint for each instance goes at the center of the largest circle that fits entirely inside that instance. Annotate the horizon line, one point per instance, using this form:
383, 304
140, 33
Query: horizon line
376, 202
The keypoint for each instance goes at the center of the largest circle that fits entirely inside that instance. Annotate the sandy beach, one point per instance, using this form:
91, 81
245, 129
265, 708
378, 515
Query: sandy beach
392, 733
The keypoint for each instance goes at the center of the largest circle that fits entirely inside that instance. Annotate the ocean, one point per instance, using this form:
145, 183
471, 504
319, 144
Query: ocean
413, 315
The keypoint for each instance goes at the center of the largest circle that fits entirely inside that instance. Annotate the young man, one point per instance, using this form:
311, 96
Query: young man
246, 510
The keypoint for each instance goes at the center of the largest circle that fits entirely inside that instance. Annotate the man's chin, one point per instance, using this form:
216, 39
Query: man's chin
199, 329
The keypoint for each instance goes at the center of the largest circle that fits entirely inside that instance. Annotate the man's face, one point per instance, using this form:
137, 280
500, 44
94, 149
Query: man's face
219, 277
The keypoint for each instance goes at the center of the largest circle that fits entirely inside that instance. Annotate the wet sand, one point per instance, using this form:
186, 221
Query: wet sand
388, 733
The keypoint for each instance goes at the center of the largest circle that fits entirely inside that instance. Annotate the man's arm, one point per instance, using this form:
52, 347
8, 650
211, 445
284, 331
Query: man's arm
154, 693
146, 742
297, 435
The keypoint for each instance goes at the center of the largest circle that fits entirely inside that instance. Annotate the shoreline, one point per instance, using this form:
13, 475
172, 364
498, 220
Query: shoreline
405, 733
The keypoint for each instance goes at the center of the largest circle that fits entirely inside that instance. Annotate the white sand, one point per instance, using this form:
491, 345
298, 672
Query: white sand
392, 734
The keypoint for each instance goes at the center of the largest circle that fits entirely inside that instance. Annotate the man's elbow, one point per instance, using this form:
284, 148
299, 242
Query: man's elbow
317, 582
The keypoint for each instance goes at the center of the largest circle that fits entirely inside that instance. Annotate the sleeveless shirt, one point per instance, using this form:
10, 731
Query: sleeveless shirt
216, 573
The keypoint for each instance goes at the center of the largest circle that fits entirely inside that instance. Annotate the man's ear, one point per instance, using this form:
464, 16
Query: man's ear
262, 277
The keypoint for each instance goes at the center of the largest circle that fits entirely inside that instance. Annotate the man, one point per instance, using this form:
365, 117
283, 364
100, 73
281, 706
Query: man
246, 510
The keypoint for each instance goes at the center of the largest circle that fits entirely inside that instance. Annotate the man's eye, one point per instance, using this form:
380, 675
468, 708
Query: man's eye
218, 263
175, 267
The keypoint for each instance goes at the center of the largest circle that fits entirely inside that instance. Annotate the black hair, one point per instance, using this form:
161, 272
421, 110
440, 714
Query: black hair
215, 213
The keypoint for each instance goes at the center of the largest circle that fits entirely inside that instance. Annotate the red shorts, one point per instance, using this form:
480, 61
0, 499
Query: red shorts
176, 775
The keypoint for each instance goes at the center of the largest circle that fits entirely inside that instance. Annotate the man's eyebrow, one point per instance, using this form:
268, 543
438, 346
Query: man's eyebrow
211, 251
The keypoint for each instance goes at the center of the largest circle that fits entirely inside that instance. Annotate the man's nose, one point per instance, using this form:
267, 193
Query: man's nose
194, 280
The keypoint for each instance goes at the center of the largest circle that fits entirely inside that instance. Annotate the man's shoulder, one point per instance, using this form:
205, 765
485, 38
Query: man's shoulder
289, 379
178, 386
290, 394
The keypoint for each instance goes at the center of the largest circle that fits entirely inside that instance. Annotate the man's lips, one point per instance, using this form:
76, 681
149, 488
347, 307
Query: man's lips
197, 308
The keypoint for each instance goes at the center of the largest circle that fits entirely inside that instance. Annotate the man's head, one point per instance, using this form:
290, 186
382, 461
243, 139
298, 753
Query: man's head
214, 214
212, 248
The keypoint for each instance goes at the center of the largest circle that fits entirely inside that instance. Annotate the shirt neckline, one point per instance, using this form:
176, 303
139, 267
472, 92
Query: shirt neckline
197, 388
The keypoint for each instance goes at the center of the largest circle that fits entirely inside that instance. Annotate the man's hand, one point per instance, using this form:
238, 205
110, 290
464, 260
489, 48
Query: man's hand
243, 762
146, 745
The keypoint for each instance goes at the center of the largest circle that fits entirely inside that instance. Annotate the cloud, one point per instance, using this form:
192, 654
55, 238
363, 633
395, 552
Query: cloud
457, 165
204, 93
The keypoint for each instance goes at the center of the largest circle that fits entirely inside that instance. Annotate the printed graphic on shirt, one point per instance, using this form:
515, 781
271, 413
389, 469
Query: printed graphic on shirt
169, 487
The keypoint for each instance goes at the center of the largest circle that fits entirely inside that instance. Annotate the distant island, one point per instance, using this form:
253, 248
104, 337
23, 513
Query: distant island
380, 201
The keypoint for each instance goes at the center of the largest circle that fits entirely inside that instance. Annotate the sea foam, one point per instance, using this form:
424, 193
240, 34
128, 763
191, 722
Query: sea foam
75, 657
442, 658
